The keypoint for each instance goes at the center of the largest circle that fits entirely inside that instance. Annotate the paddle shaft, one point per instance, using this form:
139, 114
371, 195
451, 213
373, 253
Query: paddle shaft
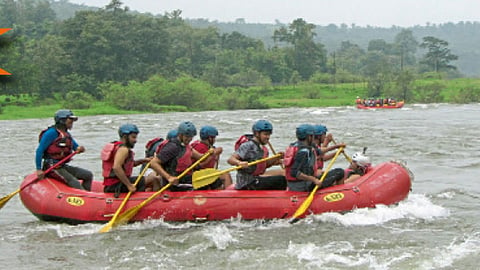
5, 199
130, 213
310, 197
53, 167
235, 168
111, 223
344, 154
274, 152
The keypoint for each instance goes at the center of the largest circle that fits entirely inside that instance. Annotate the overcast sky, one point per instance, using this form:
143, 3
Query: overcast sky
383, 13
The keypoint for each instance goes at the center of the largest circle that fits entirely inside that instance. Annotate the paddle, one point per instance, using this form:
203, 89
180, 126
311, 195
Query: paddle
130, 213
274, 152
310, 197
207, 176
5, 199
344, 154
111, 223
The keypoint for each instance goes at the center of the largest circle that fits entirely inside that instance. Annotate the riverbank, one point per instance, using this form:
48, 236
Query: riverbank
306, 95
462, 90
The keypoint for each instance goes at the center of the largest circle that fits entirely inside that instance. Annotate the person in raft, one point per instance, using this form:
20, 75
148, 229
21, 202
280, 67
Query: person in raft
252, 177
152, 149
208, 135
301, 160
118, 161
56, 143
360, 166
176, 156
320, 135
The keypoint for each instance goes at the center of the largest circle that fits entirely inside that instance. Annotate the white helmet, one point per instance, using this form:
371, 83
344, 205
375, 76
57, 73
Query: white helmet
361, 159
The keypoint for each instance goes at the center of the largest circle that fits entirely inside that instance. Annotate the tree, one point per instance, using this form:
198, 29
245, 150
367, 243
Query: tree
307, 56
406, 47
404, 82
350, 57
438, 56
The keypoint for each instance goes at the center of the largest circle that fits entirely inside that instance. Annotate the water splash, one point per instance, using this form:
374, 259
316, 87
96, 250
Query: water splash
220, 236
417, 206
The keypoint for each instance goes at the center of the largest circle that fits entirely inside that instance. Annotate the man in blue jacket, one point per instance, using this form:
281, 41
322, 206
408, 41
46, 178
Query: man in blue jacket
56, 143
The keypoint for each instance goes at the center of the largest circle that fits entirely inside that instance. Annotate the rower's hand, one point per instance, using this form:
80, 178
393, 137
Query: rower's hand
243, 164
172, 180
80, 149
317, 182
341, 145
131, 188
40, 174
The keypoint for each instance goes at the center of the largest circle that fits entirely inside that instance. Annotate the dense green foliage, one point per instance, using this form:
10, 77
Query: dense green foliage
141, 62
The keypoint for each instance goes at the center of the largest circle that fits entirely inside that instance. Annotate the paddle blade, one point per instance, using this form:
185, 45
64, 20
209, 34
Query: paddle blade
204, 177
107, 227
124, 217
303, 207
5, 199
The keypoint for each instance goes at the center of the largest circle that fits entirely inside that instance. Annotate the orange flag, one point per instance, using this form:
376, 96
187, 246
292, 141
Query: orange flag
3, 31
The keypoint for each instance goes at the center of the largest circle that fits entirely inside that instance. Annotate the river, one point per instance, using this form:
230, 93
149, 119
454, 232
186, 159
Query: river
436, 227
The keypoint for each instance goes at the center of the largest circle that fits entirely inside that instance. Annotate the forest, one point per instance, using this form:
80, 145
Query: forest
58, 52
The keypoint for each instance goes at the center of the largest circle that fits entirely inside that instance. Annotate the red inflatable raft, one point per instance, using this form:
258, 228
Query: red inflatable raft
397, 105
50, 200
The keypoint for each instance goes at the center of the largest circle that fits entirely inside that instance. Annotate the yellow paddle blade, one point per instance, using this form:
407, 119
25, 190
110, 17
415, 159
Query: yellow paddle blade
130, 213
127, 215
310, 197
112, 222
5, 199
205, 177
303, 208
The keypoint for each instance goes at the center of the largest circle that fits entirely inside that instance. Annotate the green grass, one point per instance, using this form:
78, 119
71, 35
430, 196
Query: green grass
301, 95
14, 112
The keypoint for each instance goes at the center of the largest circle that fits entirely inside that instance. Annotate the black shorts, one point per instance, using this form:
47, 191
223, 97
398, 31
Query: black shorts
121, 188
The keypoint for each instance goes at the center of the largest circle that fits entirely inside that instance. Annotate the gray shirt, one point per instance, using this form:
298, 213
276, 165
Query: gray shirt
248, 151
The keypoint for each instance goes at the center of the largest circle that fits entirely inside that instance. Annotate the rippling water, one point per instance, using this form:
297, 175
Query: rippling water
436, 227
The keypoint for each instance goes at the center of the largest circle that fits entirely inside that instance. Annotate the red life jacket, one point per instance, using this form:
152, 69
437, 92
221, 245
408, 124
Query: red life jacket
202, 148
152, 146
242, 139
289, 158
184, 161
108, 156
61, 147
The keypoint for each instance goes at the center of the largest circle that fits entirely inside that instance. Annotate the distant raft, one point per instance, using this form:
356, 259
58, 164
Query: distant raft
50, 200
397, 105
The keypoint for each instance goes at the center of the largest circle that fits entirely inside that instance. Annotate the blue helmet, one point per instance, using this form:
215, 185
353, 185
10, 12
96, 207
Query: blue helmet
304, 130
62, 115
320, 129
172, 134
187, 128
262, 125
208, 131
127, 129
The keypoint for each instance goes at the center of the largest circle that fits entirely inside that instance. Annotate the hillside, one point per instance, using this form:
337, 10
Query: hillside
463, 37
